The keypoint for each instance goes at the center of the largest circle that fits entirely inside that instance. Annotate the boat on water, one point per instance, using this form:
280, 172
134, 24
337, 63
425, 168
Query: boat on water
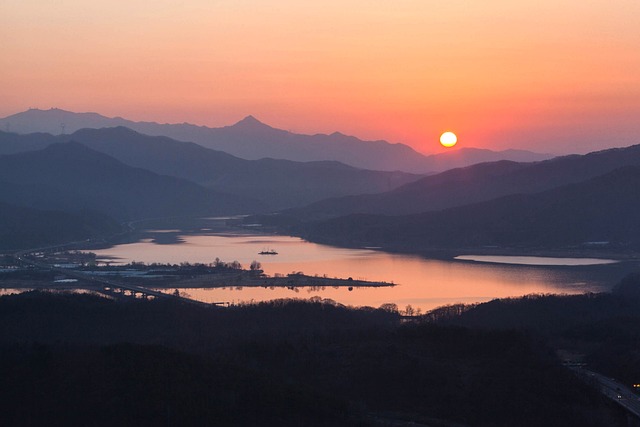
268, 252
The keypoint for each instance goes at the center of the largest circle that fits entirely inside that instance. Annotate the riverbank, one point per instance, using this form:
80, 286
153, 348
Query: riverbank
448, 254
79, 270
607, 250
250, 279
174, 230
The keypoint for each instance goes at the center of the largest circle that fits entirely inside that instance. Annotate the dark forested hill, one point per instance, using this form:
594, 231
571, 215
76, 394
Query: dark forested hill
22, 227
84, 360
12, 143
476, 183
603, 209
602, 329
276, 183
72, 177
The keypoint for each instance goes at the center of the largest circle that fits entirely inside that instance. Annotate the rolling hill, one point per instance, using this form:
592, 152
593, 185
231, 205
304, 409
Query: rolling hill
252, 140
22, 227
602, 209
476, 183
72, 177
277, 184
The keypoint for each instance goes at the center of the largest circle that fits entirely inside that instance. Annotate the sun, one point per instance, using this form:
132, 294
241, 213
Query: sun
448, 139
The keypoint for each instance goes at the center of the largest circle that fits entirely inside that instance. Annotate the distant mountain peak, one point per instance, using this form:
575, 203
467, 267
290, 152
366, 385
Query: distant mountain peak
252, 139
250, 122
250, 119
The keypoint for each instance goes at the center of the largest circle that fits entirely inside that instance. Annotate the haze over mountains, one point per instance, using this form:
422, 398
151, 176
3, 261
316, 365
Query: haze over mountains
566, 202
22, 227
251, 139
277, 184
126, 175
599, 210
71, 177
476, 183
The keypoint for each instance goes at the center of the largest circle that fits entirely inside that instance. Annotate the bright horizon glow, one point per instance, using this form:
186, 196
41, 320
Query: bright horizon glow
398, 71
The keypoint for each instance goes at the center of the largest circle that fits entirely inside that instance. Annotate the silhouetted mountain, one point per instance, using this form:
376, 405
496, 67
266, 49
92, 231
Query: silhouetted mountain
277, 183
467, 156
477, 183
603, 209
250, 139
72, 177
12, 143
22, 227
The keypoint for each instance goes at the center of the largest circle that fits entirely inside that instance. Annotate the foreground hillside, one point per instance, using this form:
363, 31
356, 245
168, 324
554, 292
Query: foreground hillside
598, 329
85, 360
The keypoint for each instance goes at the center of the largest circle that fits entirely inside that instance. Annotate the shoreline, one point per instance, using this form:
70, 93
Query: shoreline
243, 278
449, 254
291, 281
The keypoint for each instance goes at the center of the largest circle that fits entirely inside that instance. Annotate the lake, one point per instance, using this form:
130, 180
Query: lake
421, 282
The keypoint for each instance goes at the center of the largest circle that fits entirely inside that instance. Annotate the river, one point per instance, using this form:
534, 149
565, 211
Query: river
420, 282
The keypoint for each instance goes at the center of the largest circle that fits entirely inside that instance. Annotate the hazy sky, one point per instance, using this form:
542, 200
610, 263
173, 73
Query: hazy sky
547, 75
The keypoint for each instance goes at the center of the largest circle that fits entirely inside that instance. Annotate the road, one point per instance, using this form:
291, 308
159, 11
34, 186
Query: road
22, 257
613, 389
131, 288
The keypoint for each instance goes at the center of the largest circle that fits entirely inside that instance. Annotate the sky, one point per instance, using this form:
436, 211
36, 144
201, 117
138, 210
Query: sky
556, 76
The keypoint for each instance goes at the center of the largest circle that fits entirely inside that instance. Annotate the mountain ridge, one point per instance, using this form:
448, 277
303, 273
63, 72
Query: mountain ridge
252, 140
22, 227
476, 183
600, 209
72, 177
276, 183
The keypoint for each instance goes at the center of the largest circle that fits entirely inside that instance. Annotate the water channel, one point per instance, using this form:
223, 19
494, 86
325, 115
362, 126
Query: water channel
420, 282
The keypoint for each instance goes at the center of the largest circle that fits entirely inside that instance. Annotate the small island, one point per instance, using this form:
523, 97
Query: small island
268, 252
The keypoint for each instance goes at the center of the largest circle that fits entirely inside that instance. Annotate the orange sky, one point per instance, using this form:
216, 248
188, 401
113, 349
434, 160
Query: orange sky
550, 76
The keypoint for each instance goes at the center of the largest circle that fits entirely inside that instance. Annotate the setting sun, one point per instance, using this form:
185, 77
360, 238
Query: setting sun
448, 139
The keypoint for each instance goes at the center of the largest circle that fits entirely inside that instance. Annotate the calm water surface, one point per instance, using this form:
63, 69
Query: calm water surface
535, 260
422, 283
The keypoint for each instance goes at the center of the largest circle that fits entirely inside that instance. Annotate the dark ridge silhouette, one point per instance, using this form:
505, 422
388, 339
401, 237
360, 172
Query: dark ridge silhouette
276, 183
73, 177
476, 183
251, 124
600, 329
22, 228
12, 143
84, 360
603, 209
133, 385
250, 139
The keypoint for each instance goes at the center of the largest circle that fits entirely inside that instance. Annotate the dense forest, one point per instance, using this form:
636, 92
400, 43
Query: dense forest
77, 359
23, 227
